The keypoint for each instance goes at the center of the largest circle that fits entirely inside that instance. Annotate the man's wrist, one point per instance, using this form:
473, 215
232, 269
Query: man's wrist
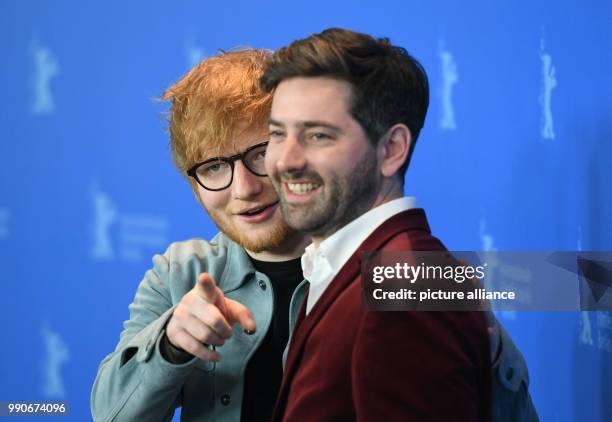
171, 353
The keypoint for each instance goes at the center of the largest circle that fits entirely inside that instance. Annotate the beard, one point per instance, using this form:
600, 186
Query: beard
343, 199
267, 236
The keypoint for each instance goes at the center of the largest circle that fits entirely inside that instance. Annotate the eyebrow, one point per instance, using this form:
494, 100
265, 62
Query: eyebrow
308, 124
271, 121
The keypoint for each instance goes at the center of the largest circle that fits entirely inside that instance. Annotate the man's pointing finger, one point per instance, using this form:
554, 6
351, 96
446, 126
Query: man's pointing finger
208, 289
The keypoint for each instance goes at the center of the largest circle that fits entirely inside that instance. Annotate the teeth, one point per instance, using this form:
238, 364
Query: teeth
301, 188
255, 211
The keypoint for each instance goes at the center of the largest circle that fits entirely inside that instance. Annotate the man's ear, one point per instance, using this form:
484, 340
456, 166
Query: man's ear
393, 149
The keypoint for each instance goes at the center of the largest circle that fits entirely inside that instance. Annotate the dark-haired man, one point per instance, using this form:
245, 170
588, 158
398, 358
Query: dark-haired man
346, 113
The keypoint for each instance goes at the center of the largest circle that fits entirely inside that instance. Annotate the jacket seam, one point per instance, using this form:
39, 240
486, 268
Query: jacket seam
122, 402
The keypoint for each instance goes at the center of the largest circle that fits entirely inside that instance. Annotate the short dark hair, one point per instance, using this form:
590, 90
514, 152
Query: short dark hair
389, 86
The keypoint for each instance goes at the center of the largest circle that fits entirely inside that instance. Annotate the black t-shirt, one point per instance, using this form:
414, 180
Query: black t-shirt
265, 369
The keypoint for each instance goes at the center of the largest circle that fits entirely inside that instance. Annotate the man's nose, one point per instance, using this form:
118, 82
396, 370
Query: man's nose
291, 156
245, 184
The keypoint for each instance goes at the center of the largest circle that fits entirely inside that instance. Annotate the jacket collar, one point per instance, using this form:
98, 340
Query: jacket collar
413, 219
238, 265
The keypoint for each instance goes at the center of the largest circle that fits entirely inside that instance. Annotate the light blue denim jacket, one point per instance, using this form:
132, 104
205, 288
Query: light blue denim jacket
135, 383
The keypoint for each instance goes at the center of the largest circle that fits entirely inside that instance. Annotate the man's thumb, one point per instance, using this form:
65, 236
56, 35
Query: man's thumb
237, 312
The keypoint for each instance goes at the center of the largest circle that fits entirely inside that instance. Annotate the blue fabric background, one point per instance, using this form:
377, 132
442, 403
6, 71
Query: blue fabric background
514, 156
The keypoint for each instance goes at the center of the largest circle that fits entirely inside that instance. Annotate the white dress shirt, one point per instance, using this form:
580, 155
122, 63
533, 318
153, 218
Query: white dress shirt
321, 264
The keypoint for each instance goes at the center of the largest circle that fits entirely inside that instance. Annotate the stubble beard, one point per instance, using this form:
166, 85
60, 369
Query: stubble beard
343, 200
277, 235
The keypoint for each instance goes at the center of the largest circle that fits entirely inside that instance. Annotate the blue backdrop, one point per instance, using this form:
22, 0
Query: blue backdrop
515, 155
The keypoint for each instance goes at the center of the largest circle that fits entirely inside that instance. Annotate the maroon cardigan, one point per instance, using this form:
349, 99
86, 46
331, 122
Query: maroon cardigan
346, 363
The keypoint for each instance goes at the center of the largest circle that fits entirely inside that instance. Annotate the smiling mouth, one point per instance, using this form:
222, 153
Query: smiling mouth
258, 210
301, 188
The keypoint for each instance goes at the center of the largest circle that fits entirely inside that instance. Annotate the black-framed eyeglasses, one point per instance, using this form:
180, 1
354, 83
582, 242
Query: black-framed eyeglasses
217, 173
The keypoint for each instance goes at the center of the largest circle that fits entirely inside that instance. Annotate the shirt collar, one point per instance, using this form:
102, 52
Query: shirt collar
339, 247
